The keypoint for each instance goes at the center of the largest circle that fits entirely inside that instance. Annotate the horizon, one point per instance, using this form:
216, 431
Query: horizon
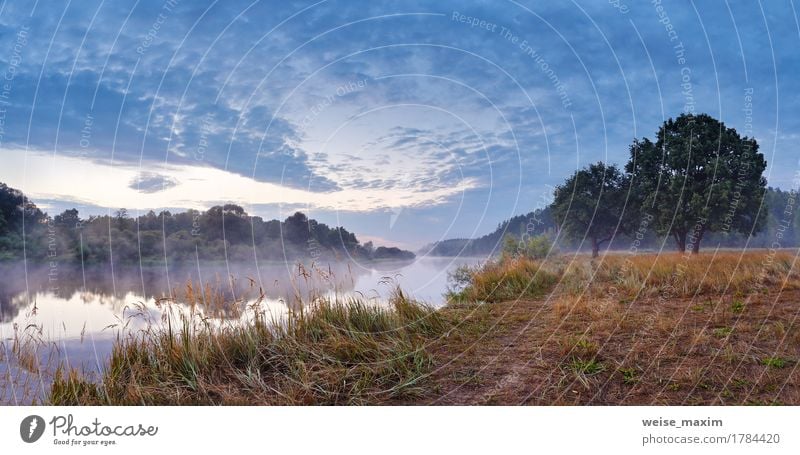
377, 118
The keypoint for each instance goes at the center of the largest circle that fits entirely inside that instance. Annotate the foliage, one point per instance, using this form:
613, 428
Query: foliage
591, 203
774, 362
699, 176
224, 232
714, 194
537, 247
391, 252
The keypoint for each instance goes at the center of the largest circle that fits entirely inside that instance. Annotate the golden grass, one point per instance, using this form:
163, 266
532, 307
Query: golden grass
507, 279
333, 352
649, 329
684, 275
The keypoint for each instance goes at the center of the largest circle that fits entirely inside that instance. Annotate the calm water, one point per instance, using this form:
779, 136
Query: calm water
73, 314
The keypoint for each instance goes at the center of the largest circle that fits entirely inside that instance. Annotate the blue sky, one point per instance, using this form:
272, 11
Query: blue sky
406, 122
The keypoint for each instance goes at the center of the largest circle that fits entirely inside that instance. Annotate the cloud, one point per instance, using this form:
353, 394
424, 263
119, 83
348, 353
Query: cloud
231, 95
101, 184
150, 182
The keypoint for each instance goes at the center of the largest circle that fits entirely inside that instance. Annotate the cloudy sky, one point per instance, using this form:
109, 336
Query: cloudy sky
404, 121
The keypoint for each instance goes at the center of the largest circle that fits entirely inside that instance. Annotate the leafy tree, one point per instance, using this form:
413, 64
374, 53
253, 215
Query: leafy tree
149, 221
369, 247
20, 221
591, 203
68, 219
170, 236
699, 176
122, 221
297, 229
14, 206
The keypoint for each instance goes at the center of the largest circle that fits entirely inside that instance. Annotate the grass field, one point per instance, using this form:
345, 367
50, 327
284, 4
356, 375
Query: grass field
620, 329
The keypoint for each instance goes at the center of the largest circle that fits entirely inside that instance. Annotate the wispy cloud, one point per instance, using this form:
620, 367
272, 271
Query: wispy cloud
111, 186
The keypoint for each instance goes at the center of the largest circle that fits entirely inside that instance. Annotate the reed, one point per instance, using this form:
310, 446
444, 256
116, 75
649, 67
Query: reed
333, 351
507, 279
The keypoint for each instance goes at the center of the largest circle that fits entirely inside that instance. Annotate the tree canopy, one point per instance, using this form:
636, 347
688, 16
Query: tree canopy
224, 232
699, 181
698, 177
591, 203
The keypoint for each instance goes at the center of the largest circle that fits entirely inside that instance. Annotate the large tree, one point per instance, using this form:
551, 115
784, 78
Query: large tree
699, 176
591, 204
14, 206
297, 229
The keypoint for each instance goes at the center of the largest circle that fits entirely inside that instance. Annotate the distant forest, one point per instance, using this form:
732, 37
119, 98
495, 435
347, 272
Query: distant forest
219, 233
541, 222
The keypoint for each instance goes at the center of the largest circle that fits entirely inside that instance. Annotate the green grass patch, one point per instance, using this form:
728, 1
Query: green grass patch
775, 362
508, 279
722, 332
586, 367
629, 375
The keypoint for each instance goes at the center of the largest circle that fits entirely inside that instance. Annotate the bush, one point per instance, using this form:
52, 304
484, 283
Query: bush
537, 247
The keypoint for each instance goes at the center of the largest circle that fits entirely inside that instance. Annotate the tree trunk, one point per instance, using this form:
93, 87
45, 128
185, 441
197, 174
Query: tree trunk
696, 244
680, 239
595, 247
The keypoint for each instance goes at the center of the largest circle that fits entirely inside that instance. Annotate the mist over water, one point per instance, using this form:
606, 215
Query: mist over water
69, 290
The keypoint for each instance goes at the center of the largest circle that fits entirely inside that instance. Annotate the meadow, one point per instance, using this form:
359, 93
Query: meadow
679, 329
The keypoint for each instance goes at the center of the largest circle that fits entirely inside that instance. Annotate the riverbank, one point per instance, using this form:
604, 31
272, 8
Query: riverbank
667, 329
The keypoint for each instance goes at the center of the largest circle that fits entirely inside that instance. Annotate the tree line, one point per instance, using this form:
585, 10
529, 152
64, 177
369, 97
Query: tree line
699, 181
224, 232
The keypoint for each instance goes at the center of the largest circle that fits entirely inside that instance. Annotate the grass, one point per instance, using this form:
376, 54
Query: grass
334, 352
516, 331
722, 332
679, 275
629, 375
774, 362
670, 315
506, 280
588, 367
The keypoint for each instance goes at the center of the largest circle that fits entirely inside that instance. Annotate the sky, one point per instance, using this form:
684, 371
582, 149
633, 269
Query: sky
406, 122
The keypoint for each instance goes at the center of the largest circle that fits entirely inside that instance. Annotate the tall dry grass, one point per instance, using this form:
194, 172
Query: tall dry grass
666, 329
331, 352
623, 275
507, 279
682, 275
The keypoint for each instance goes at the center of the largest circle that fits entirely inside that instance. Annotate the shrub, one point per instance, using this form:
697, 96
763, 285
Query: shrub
536, 247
